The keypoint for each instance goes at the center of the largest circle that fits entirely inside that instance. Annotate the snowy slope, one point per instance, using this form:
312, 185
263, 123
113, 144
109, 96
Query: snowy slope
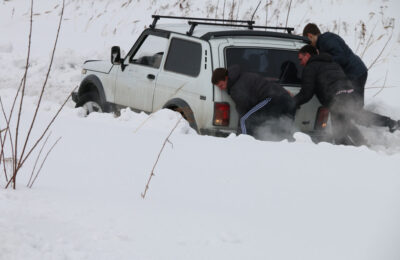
210, 198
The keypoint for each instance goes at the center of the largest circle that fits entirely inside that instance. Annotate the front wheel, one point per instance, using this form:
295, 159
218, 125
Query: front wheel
90, 103
92, 106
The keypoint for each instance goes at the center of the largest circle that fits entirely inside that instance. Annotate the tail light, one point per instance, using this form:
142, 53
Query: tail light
322, 118
221, 114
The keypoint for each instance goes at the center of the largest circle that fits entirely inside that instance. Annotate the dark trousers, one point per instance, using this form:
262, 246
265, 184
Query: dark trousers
365, 117
343, 111
272, 121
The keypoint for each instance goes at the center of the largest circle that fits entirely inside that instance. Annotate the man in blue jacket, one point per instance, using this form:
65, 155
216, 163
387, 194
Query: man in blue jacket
353, 67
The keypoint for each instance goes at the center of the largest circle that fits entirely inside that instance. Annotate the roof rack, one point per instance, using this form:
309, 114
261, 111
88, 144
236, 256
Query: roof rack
194, 21
250, 26
157, 17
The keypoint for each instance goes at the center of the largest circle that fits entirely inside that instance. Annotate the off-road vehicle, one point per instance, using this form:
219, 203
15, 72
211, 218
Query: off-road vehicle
170, 66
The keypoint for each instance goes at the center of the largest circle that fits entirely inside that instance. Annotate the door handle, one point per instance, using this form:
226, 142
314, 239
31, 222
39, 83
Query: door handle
151, 76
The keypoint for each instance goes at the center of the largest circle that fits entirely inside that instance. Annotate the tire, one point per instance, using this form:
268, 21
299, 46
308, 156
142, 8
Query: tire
90, 102
187, 114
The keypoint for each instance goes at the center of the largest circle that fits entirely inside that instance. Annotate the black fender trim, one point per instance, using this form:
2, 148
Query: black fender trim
182, 106
93, 80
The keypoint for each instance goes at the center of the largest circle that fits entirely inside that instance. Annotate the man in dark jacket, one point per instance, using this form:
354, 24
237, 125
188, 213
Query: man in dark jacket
326, 79
266, 110
353, 67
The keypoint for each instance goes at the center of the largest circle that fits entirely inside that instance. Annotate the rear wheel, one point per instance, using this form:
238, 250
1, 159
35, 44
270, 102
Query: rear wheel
187, 114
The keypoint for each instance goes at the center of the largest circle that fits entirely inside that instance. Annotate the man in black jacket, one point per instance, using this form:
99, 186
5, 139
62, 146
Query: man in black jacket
266, 110
353, 67
326, 79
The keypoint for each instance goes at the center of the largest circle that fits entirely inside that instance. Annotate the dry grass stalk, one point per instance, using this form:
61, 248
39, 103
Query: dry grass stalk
380, 53
44, 160
158, 158
19, 160
37, 159
15, 154
384, 84
144, 122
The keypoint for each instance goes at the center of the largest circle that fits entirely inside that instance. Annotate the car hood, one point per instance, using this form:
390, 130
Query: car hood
98, 65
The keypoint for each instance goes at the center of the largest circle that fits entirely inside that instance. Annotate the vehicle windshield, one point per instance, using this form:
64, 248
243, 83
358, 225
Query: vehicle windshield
281, 66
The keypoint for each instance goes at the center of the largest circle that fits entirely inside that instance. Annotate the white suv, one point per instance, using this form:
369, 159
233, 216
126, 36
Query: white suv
170, 66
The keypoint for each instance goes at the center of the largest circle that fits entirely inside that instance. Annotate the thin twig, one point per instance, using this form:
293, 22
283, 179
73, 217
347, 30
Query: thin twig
8, 120
37, 159
1, 131
158, 157
380, 53
47, 128
43, 134
15, 155
384, 83
44, 160
144, 121
3, 141
2, 159
381, 87
216, 10
44, 84
369, 41
288, 12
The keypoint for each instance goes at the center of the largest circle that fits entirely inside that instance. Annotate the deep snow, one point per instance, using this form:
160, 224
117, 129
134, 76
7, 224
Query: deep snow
210, 198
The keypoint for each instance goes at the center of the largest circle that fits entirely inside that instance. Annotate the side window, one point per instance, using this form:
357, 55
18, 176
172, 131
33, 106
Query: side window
150, 52
184, 57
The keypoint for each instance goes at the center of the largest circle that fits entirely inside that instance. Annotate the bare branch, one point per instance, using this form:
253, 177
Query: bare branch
380, 53
158, 157
369, 41
144, 122
44, 84
172, 145
45, 131
3, 140
216, 11
15, 155
44, 160
37, 159
384, 83
381, 87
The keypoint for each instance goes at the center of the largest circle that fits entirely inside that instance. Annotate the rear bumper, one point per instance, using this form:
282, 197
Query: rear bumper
216, 132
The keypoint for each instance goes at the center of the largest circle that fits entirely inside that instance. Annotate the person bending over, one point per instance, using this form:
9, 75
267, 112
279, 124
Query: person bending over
353, 67
266, 110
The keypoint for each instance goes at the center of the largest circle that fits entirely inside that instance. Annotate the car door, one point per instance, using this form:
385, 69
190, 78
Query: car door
135, 83
186, 75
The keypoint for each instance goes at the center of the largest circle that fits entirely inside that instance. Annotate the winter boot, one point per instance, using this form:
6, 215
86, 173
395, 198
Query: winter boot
394, 125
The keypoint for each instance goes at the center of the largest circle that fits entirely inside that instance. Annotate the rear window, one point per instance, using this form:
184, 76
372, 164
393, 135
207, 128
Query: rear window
281, 66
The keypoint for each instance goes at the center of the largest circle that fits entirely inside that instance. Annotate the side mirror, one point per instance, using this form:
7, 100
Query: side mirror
116, 55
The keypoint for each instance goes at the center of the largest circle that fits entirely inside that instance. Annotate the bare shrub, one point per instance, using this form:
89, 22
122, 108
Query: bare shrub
18, 159
158, 158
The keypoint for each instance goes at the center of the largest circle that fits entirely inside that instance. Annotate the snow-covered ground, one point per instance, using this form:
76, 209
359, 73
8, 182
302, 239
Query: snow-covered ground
210, 198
